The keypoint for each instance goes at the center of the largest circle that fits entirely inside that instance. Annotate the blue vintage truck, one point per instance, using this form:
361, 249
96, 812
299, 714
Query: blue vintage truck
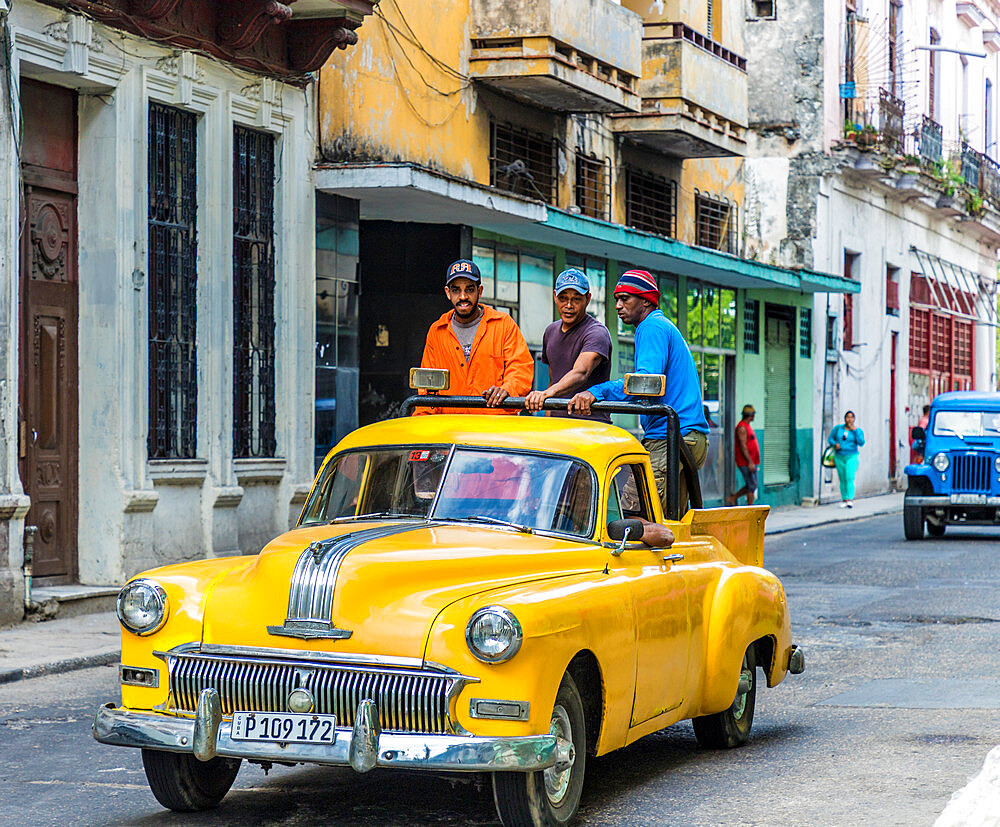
958, 483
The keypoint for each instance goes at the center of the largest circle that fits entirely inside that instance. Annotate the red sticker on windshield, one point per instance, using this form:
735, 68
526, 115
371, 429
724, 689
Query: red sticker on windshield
420, 456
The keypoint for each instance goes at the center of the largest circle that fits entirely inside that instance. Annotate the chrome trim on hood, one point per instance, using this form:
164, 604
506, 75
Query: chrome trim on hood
310, 598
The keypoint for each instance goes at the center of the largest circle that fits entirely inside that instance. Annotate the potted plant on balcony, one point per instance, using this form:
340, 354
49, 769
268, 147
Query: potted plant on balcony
911, 165
867, 137
974, 204
851, 130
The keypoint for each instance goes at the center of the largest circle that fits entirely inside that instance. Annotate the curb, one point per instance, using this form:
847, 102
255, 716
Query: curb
845, 519
40, 670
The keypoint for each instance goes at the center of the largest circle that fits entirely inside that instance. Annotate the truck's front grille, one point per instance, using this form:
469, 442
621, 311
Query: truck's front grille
407, 700
971, 472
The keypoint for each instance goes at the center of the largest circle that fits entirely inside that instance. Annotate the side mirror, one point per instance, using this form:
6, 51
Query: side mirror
625, 530
917, 433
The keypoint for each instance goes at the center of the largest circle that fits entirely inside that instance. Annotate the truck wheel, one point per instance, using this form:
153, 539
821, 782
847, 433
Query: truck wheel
935, 529
182, 783
548, 797
731, 727
913, 522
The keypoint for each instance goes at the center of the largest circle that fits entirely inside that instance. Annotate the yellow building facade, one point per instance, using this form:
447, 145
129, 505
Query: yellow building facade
533, 135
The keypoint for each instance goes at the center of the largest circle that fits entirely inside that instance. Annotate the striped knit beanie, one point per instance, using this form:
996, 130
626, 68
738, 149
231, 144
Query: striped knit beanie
639, 283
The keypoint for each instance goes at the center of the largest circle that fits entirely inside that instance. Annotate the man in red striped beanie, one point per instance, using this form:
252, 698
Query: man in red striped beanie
659, 348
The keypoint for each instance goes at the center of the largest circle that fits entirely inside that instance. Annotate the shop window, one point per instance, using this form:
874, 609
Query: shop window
173, 283
522, 162
593, 186
253, 294
597, 274
727, 318
805, 332
519, 282
650, 203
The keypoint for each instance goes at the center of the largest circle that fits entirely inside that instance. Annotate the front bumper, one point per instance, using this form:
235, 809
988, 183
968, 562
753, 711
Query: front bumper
362, 747
945, 501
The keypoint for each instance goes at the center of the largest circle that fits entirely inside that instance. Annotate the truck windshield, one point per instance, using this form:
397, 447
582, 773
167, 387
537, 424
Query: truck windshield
967, 423
537, 491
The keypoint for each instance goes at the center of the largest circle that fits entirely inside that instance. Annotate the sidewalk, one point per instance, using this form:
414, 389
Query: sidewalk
33, 650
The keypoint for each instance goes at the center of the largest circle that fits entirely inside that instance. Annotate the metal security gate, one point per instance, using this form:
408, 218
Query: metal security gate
777, 453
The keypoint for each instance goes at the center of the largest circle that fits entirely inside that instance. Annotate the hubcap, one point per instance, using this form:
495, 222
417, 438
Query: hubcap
746, 677
557, 781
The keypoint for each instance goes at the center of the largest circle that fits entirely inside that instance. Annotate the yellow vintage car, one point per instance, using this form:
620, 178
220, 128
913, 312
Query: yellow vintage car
461, 594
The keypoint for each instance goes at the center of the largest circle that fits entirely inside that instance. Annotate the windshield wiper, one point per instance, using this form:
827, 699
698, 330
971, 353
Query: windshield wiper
472, 518
951, 431
372, 516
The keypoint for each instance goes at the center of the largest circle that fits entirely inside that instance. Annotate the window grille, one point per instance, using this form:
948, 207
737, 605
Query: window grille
253, 294
522, 162
651, 203
805, 332
940, 343
848, 321
962, 355
593, 186
715, 223
173, 276
920, 353
751, 326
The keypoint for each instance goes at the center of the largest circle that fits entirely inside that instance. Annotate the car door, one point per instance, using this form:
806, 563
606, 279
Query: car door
659, 598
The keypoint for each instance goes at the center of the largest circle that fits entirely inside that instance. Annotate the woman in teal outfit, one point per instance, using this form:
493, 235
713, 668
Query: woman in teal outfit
846, 439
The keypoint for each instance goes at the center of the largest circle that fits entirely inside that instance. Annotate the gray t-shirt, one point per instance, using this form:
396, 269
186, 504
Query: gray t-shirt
560, 350
465, 332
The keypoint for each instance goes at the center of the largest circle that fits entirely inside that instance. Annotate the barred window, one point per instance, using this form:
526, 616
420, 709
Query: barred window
253, 293
593, 186
751, 326
522, 162
173, 282
805, 332
920, 339
650, 203
715, 223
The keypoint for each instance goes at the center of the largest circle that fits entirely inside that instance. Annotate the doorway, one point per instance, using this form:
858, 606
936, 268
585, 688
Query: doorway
48, 326
776, 461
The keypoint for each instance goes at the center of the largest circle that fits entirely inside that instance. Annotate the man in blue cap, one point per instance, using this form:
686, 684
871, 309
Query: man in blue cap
576, 347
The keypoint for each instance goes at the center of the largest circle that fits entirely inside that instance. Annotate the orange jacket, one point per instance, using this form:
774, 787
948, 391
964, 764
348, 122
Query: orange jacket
499, 357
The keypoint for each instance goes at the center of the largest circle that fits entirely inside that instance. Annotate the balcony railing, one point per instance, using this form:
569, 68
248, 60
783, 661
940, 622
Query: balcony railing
890, 110
971, 161
931, 137
989, 180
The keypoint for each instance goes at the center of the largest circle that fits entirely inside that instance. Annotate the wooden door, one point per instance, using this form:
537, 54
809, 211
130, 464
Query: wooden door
48, 341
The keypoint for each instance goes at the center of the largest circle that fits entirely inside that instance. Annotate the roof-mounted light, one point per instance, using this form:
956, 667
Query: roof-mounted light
429, 379
645, 384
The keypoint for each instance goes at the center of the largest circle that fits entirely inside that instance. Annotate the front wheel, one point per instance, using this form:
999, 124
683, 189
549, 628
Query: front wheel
548, 797
731, 727
913, 522
182, 783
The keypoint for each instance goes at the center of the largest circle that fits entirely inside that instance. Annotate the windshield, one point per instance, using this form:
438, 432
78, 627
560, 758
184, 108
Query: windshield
536, 491
967, 423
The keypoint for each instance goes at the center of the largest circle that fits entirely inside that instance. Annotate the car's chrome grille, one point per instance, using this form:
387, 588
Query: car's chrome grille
407, 700
971, 472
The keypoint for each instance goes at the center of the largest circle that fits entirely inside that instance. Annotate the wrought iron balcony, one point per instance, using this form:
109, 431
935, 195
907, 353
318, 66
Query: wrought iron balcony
970, 164
890, 112
931, 138
694, 95
561, 55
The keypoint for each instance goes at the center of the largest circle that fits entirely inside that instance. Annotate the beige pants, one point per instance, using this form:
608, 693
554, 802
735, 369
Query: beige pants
697, 444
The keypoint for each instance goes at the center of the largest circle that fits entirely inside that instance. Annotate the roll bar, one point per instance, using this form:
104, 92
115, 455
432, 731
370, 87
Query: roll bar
678, 455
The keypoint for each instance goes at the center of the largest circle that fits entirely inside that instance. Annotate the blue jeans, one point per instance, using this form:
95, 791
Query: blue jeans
847, 467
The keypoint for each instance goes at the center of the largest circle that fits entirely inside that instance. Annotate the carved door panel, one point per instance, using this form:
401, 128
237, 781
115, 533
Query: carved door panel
49, 378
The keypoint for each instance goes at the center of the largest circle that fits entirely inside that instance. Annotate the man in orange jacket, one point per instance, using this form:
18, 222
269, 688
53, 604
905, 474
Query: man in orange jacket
482, 348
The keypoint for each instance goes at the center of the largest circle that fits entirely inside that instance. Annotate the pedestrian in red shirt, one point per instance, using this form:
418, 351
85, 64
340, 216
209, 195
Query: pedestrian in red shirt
747, 456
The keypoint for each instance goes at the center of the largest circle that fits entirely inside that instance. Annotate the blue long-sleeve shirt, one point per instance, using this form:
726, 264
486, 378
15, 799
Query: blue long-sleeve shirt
849, 441
660, 348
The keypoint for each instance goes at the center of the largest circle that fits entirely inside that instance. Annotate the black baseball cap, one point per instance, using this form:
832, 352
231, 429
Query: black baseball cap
463, 269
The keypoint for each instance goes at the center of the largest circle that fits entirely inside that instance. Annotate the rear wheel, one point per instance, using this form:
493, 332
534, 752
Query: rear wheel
548, 797
913, 522
183, 783
731, 727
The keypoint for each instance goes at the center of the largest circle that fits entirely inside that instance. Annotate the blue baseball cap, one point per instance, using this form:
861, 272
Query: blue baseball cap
463, 269
572, 279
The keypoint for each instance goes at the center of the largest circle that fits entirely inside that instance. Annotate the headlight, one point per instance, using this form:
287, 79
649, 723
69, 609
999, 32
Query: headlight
940, 462
142, 606
996, 464
493, 634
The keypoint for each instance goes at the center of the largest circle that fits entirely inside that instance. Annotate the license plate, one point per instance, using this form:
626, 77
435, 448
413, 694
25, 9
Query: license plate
968, 499
287, 727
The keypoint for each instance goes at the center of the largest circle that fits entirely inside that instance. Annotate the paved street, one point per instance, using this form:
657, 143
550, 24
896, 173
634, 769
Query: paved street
898, 708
